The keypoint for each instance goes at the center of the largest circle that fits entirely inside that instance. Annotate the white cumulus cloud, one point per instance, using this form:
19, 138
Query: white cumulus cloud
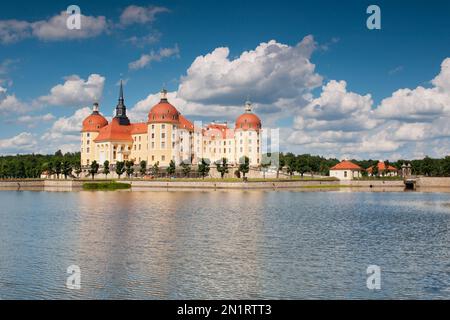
269, 72
153, 56
140, 15
75, 91
53, 29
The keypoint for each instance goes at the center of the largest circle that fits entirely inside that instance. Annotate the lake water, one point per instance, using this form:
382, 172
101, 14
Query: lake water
224, 244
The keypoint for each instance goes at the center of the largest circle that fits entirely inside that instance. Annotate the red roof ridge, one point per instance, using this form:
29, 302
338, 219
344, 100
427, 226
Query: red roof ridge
346, 165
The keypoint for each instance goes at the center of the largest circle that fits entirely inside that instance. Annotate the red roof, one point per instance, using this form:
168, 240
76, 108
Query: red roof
248, 121
346, 165
186, 124
163, 112
94, 123
115, 132
215, 130
139, 128
382, 167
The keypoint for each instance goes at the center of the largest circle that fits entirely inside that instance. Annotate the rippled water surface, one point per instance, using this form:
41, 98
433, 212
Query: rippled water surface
224, 244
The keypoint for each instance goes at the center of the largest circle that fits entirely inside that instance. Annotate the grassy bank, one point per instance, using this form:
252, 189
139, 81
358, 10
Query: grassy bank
106, 186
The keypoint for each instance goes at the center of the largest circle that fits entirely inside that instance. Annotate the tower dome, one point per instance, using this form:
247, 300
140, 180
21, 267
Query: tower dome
248, 120
164, 112
95, 121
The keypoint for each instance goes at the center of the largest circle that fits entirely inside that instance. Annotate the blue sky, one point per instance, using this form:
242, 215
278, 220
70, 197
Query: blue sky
406, 53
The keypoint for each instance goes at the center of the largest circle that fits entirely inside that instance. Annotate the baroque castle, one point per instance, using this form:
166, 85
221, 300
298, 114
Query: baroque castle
168, 135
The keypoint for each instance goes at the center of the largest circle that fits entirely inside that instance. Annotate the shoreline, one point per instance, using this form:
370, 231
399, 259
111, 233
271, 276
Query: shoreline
437, 184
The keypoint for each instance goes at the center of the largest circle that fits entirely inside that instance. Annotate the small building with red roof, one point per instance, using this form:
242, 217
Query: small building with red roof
383, 170
346, 170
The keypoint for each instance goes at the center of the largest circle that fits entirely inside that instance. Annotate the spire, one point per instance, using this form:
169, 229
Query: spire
95, 108
121, 92
121, 109
164, 94
248, 107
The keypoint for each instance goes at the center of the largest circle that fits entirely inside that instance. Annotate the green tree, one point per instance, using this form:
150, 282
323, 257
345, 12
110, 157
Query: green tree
129, 168
266, 162
186, 168
106, 169
120, 168
281, 164
203, 168
143, 168
58, 168
375, 171
51, 168
171, 168
244, 166
427, 166
94, 169
77, 168
222, 167
20, 170
291, 165
67, 169
155, 169
446, 165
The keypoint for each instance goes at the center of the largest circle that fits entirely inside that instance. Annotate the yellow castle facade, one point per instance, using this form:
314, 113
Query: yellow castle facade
168, 135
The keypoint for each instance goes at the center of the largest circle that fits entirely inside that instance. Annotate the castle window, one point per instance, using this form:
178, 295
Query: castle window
163, 145
241, 149
153, 136
87, 150
153, 158
153, 145
163, 135
163, 158
88, 134
163, 126
139, 147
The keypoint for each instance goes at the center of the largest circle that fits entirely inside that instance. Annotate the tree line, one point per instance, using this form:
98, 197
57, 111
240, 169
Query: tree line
33, 165
310, 164
203, 168
68, 165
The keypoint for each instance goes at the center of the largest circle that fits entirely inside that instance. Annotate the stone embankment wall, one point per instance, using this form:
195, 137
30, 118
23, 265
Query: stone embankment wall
373, 183
22, 183
431, 182
55, 185
228, 185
